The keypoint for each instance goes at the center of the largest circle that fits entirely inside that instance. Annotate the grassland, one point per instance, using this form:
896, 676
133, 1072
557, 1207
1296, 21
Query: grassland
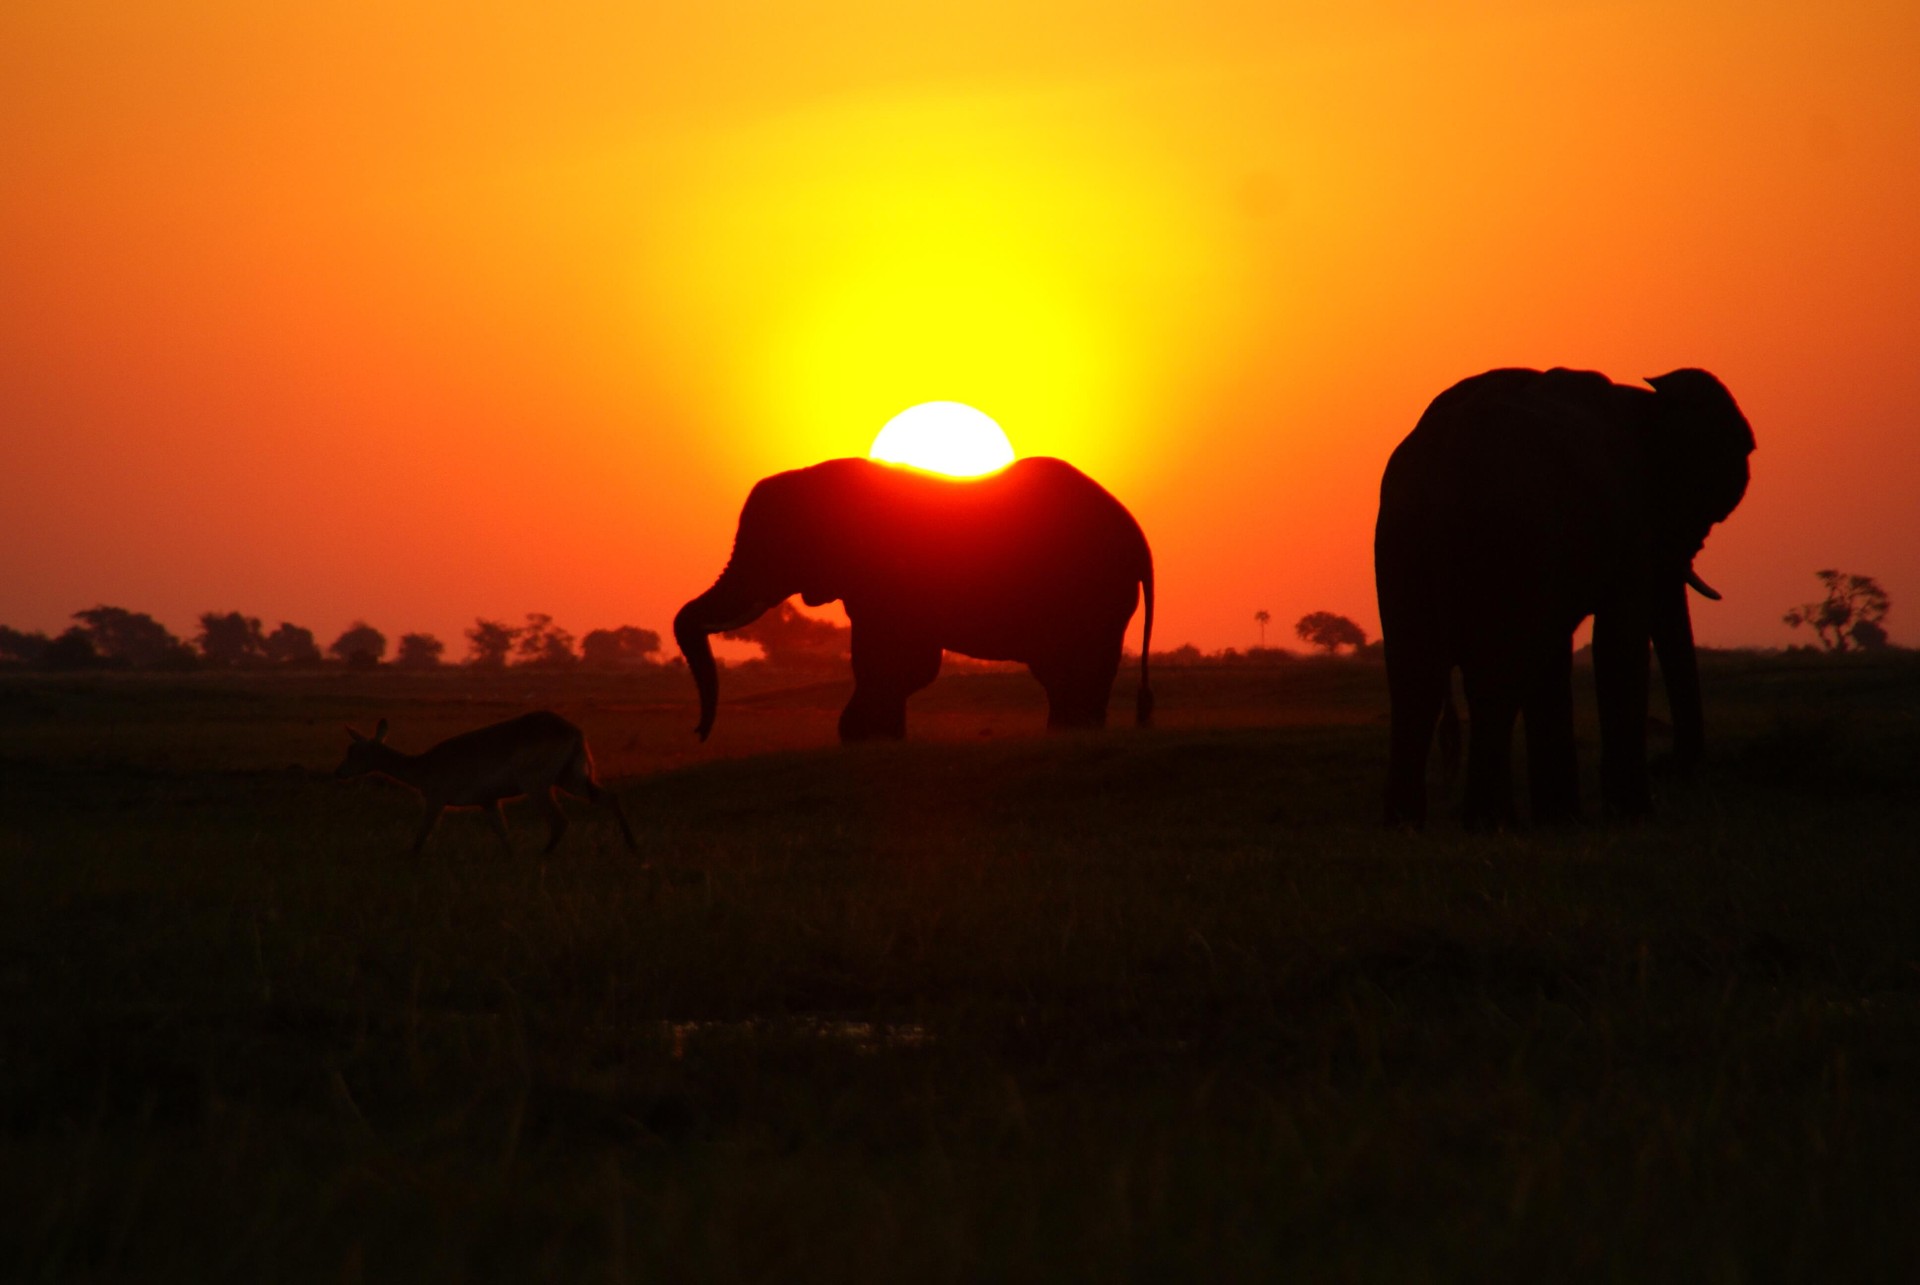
988, 1005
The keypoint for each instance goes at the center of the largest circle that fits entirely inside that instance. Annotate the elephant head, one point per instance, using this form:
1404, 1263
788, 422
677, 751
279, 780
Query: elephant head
791, 540
1698, 445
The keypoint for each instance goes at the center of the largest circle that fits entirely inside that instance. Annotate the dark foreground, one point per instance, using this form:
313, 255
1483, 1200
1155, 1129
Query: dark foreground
986, 1006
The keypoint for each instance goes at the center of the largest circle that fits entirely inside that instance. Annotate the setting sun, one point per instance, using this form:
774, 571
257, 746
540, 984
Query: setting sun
944, 437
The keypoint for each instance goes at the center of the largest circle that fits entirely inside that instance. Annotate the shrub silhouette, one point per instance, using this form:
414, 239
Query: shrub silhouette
291, 645
787, 636
418, 651
132, 638
544, 644
231, 640
71, 650
22, 648
488, 643
1849, 617
361, 646
1330, 632
619, 648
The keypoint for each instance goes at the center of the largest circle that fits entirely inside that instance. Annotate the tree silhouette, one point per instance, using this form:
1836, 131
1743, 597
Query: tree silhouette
488, 643
1849, 616
619, 648
71, 650
231, 639
1330, 632
23, 648
132, 638
361, 646
790, 637
1262, 618
418, 651
291, 645
544, 644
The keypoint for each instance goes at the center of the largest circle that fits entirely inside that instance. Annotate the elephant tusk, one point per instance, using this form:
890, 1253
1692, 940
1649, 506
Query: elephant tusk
1701, 587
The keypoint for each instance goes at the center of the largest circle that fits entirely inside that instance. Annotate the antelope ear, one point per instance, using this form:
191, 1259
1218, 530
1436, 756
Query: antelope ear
355, 735
380, 732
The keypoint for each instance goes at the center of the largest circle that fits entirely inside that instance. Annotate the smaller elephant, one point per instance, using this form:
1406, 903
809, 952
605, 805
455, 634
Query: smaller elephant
1036, 563
1523, 502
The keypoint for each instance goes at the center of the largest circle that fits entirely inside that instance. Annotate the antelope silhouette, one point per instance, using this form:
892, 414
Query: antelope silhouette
530, 757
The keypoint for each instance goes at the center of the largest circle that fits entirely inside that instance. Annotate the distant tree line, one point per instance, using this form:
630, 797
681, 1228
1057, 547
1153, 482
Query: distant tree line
115, 638
1848, 618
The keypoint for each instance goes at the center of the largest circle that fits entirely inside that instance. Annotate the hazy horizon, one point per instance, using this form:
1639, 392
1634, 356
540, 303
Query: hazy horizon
424, 314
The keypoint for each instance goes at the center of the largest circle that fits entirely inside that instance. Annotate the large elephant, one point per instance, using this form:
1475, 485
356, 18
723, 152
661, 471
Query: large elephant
1036, 563
1523, 502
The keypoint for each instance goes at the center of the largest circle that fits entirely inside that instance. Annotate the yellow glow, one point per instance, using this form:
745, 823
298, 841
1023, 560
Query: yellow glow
826, 267
944, 437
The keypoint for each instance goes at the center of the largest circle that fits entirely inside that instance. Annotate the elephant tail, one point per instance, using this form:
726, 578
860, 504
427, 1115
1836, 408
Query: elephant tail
1449, 739
1143, 702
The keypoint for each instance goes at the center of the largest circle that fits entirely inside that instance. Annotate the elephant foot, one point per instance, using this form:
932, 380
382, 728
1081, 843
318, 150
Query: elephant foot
858, 733
1630, 810
861, 723
1626, 794
1555, 808
1403, 813
1488, 820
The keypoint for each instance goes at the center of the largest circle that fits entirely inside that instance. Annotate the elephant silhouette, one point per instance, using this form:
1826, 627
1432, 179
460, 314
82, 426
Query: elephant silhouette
1523, 502
1036, 563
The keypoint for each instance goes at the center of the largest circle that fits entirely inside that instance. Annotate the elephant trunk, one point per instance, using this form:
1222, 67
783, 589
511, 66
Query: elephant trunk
729, 604
694, 645
1680, 671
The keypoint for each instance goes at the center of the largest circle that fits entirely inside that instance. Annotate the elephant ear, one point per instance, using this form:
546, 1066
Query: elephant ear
1705, 401
1703, 441
852, 519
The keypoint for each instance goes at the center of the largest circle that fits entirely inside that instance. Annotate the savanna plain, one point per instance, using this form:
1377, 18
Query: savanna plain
985, 1005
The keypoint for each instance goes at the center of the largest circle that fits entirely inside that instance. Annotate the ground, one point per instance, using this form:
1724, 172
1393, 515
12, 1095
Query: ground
986, 1005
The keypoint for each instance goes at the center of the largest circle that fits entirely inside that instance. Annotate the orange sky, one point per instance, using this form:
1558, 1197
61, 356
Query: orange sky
414, 312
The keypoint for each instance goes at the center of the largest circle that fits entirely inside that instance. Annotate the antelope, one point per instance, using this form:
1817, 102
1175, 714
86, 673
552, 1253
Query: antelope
527, 757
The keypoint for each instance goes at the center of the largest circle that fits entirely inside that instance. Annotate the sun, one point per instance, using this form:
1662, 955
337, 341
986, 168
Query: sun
943, 437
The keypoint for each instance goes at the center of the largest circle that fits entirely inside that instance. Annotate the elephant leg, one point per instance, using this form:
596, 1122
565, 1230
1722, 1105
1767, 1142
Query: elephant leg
428, 819
1620, 681
886, 670
1680, 674
1079, 685
1552, 770
549, 807
1416, 689
497, 818
1492, 705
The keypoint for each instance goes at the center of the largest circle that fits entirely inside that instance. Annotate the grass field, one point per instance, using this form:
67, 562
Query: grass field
988, 1005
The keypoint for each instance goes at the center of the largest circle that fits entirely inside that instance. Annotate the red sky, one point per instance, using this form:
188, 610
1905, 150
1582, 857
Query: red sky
418, 312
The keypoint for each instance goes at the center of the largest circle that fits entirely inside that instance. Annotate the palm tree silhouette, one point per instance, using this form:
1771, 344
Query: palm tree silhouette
1261, 617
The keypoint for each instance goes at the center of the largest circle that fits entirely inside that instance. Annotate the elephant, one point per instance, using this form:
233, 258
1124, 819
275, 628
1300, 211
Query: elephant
1522, 503
1036, 563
